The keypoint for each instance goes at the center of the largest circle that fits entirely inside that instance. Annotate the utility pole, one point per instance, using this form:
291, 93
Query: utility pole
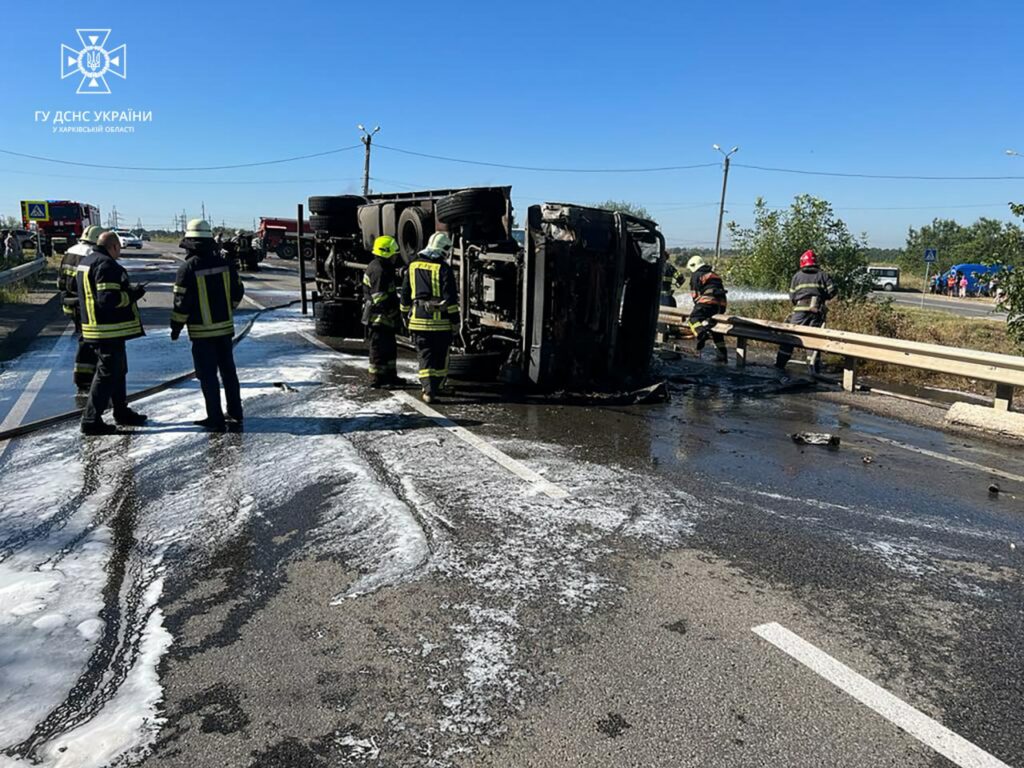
367, 139
721, 205
203, 204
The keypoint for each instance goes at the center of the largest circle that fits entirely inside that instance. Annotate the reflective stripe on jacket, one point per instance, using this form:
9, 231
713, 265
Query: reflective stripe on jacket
380, 294
429, 294
67, 277
206, 292
810, 289
105, 299
707, 288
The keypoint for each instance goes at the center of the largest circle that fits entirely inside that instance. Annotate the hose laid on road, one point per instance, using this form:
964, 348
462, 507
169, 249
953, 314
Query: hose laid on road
49, 421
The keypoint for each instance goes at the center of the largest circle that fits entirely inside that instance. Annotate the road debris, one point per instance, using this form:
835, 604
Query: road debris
993, 490
285, 386
816, 438
868, 459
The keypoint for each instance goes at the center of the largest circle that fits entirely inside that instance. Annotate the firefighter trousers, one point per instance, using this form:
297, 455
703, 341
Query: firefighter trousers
383, 352
701, 324
814, 319
85, 365
109, 385
213, 356
432, 351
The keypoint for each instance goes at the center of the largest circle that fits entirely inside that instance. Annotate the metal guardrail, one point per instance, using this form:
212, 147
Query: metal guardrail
1005, 371
22, 271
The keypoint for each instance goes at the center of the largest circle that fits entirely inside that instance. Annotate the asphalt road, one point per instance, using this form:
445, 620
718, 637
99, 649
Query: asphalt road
38, 383
354, 580
975, 308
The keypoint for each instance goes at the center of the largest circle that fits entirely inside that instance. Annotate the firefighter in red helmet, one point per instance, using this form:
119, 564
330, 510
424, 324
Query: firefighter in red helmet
810, 291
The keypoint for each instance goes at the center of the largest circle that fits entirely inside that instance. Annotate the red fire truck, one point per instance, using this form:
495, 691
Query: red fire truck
279, 235
58, 223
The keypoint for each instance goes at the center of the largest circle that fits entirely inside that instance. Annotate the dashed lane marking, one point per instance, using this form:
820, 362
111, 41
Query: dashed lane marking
923, 728
516, 467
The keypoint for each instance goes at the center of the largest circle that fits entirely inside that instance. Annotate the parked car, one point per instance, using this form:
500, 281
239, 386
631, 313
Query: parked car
128, 239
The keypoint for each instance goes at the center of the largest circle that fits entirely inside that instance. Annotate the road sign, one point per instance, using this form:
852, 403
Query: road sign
931, 255
37, 210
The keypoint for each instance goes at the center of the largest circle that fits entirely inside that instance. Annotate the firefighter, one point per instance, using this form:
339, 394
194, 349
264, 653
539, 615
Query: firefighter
206, 292
67, 284
380, 312
709, 299
668, 284
431, 301
243, 250
809, 291
110, 317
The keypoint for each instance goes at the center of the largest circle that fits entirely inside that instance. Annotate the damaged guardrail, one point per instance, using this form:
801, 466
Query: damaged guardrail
22, 271
1005, 371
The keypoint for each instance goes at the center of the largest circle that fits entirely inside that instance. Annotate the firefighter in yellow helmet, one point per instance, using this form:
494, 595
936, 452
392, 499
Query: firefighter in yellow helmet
709, 299
431, 300
380, 312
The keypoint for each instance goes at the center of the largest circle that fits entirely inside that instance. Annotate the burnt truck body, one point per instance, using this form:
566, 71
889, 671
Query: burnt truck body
571, 304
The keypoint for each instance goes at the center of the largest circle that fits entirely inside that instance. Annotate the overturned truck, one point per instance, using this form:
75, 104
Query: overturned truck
568, 303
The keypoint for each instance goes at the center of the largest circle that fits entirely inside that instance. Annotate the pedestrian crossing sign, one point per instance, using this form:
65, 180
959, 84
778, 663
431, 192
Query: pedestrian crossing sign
37, 210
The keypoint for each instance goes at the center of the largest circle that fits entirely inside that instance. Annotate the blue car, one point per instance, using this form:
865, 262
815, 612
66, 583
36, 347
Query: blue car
978, 275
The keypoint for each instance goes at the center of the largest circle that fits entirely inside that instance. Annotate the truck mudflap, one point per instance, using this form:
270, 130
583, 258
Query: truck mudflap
592, 296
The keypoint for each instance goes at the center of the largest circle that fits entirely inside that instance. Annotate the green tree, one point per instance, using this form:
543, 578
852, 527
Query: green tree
624, 206
767, 254
984, 241
1010, 280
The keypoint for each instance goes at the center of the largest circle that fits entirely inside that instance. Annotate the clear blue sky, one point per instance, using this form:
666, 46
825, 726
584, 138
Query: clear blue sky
922, 88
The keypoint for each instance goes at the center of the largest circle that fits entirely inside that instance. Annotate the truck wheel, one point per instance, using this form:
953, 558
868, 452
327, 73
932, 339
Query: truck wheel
485, 204
307, 251
339, 214
338, 319
415, 226
286, 250
334, 225
476, 366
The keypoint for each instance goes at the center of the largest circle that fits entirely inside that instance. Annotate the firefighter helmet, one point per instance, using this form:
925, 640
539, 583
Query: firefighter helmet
385, 246
92, 234
439, 241
199, 229
808, 259
695, 263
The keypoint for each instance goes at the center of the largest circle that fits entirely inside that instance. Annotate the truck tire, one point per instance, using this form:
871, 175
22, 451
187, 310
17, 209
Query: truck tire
335, 226
335, 205
476, 366
415, 226
478, 204
307, 251
338, 319
286, 250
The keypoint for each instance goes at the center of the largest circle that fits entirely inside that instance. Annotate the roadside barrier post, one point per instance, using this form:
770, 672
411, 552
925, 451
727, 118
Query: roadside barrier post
302, 261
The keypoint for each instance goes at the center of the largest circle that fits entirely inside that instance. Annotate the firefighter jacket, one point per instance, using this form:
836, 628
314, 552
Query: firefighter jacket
206, 292
380, 294
668, 279
707, 288
67, 281
429, 295
810, 289
106, 299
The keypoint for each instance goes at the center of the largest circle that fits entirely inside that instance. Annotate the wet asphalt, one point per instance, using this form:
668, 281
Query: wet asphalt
535, 637
402, 600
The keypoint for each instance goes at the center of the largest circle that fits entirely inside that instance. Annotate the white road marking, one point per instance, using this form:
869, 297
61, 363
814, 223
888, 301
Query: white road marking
895, 710
944, 457
514, 466
35, 385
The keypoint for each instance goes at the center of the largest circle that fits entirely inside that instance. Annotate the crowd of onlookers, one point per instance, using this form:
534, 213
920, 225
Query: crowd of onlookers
955, 283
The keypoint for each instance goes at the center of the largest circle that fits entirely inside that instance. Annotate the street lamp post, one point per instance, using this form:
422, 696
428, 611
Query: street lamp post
367, 139
721, 206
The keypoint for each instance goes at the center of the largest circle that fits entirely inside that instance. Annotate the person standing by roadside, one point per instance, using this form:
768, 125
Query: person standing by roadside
110, 317
810, 290
13, 248
380, 312
430, 299
67, 284
206, 292
951, 284
3, 245
963, 286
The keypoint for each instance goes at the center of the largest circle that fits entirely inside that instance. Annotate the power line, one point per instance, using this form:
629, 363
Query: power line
189, 168
548, 170
125, 180
877, 175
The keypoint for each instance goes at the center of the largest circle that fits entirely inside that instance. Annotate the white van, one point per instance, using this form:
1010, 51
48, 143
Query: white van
886, 278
